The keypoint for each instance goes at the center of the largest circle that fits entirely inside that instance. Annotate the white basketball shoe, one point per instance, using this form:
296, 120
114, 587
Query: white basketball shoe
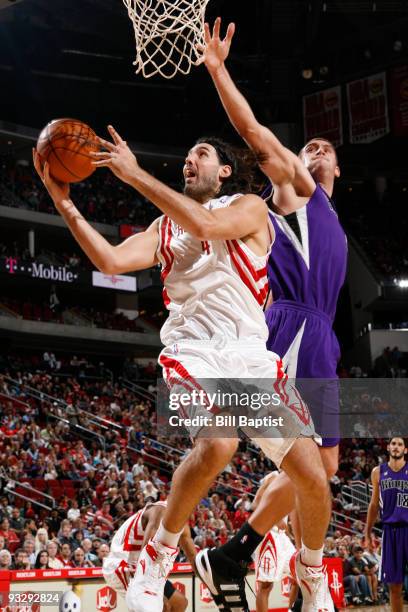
146, 589
313, 583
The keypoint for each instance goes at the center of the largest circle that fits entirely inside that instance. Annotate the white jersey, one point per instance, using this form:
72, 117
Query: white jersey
272, 556
213, 289
129, 537
119, 566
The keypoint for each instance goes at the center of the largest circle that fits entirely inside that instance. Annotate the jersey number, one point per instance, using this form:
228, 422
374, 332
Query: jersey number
402, 500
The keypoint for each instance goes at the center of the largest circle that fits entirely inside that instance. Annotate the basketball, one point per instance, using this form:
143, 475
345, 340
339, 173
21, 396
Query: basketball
66, 145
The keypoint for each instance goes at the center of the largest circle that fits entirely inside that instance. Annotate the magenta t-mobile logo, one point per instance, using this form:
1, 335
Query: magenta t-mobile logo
11, 264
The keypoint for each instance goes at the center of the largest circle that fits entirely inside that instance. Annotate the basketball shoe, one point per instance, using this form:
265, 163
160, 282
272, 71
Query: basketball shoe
146, 589
313, 583
225, 578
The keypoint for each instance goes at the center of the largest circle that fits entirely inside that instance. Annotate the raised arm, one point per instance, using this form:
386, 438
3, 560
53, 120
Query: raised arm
278, 163
246, 215
374, 506
136, 253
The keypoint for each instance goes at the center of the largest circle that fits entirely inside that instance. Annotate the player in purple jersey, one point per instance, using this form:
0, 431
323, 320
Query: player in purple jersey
390, 496
306, 270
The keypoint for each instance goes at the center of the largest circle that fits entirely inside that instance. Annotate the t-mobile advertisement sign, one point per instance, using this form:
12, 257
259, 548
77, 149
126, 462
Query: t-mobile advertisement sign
35, 269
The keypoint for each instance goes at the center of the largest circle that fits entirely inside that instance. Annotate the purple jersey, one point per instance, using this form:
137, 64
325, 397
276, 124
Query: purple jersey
309, 271
394, 495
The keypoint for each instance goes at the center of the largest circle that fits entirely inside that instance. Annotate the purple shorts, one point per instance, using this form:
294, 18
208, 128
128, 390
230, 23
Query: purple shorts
303, 337
394, 557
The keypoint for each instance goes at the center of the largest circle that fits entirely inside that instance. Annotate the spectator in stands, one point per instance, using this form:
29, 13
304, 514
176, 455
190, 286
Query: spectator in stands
86, 494
8, 534
41, 539
41, 561
138, 467
373, 560
5, 559
53, 550
104, 518
65, 534
357, 577
21, 560
53, 522
16, 521
98, 534
74, 511
29, 512
103, 551
150, 491
330, 547
240, 516
66, 555
87, 548
46, 361
96, 542
79, 560
29, 548
5, 507
244, 503
78, 537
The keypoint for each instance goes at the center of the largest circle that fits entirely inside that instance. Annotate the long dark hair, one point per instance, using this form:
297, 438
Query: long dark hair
245, 176
37, 564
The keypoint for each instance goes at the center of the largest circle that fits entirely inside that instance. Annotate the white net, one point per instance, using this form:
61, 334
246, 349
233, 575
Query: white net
167, 33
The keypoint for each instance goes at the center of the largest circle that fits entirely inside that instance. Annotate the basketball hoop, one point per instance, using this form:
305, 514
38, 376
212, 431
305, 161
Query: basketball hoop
167, 33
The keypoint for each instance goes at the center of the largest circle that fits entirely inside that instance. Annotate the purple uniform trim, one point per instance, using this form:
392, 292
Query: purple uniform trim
305, 278
394, 556
394, 494
394, 515
311, 272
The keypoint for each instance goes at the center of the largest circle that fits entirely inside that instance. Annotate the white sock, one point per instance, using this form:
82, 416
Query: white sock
310, 556
167, 537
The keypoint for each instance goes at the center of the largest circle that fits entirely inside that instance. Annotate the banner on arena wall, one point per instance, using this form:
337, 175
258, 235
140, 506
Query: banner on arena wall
399, 100
85, 590
127, 230
119, 282
15, 266
368, 109
334, 569
322, 115
82, 590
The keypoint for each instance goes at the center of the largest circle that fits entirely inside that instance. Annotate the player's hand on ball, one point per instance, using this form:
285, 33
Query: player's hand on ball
216, 50
58, 191
118, 157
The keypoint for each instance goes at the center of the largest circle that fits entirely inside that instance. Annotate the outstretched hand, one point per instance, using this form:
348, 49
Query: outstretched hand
216, 50
58, 191
117, 157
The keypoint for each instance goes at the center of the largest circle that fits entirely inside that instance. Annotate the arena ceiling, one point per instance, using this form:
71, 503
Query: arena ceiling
74, 58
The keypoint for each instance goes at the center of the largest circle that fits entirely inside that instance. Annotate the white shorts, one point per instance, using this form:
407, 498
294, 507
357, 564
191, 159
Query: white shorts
272, 556
117, 574
208, 367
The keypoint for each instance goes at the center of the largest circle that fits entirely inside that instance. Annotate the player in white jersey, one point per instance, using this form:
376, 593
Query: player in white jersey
272, 555
120, 565
215, 330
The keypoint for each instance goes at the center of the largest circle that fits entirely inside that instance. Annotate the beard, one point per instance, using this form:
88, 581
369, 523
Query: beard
397, 454
202, 190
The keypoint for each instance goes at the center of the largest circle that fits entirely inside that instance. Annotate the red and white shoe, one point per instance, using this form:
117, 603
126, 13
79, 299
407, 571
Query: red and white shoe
313, 583
146, 589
